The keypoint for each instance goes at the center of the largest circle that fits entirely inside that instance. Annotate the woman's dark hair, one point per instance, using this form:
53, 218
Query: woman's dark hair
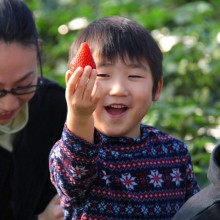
116, 36
17, 24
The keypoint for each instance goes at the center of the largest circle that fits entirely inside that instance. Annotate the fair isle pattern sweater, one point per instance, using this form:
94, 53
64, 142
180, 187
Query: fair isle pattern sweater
122, 178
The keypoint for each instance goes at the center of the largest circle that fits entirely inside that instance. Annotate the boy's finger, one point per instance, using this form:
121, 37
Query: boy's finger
96, 93
90, 84
67, 76
82, 85
55, 199
72, 79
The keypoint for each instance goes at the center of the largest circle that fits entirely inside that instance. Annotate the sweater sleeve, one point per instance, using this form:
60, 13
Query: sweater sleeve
73, 168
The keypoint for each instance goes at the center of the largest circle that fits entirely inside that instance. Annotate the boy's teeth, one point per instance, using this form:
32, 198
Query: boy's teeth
117, 106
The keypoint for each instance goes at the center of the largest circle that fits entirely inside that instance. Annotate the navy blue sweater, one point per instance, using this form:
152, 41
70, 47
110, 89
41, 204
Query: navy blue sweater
122, 178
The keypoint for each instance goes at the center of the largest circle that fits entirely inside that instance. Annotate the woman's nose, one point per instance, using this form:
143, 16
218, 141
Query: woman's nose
9, 102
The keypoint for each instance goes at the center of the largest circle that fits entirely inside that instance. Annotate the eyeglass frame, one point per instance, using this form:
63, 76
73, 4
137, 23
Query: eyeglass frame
13, 91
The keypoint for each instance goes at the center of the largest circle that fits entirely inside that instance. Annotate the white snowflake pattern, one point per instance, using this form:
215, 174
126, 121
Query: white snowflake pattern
129, 209
128, 181
189, 171
157, 209
176, 176
106, 177
78, 171
56, 153
102, 206
156, 178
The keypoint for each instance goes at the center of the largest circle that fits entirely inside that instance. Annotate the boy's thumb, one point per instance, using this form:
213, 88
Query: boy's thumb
55, 199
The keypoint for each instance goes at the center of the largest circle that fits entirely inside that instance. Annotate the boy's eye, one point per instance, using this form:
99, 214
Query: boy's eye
135, 76
102, 75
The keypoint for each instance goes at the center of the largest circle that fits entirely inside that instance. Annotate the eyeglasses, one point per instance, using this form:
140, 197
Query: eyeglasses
24, 90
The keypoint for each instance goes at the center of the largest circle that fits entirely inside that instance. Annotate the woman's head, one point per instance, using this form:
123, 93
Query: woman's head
118, 37
18, 58
17, 23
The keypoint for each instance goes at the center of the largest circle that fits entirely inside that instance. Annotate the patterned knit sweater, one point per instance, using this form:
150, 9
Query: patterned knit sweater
122, 178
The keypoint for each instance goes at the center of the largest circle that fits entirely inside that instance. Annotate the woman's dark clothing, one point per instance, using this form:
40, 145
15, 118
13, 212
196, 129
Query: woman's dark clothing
25, 187
205, 204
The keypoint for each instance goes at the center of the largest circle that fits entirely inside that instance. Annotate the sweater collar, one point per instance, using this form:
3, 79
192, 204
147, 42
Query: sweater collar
116, 141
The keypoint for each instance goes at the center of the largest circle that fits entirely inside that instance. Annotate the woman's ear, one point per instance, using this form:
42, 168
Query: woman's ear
67, 76
159, 90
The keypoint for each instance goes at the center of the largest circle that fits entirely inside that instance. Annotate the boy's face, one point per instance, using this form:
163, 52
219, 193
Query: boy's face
127, 97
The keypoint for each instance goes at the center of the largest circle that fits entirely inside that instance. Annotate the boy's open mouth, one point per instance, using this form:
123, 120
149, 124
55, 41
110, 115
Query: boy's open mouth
116, 109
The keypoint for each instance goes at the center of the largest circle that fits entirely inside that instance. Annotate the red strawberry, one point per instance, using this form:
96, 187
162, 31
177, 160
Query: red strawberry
83, 58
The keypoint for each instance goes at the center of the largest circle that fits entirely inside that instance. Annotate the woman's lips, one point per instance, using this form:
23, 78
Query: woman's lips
6, 116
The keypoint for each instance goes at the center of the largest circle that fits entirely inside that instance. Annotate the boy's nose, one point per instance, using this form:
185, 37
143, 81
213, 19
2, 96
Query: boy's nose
118, 88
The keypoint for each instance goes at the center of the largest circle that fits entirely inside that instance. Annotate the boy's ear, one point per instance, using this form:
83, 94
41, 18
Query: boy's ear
67, 76
159, 90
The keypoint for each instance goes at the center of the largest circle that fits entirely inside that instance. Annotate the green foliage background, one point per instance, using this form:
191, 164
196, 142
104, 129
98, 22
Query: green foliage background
190, 104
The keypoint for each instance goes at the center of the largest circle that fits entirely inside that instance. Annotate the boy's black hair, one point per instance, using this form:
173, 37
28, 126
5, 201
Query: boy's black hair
118, 36
17, 24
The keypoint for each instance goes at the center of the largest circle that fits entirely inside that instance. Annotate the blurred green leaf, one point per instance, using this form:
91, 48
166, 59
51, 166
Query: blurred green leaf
190, 103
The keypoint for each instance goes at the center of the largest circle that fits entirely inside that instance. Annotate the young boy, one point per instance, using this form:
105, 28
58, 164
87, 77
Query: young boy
107, 164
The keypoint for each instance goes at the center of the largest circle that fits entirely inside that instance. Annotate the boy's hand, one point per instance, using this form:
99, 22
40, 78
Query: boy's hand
82, 96
80, 92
